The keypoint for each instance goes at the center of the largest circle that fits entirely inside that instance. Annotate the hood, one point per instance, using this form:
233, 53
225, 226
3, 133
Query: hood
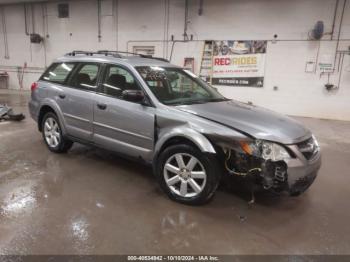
252, 120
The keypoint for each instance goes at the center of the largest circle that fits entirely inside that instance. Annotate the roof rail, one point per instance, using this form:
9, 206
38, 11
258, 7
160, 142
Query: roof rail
78, 52
160, 59
106, 52
117, 54
112, 52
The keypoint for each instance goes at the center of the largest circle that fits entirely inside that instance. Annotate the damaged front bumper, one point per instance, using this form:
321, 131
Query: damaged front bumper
301, 172
293, 175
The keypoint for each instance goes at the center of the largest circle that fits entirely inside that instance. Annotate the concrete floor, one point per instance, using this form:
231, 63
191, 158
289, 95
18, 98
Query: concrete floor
90, 201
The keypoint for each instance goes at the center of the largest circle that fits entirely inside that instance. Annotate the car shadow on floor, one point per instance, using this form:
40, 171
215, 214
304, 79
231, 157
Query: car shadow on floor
237, 188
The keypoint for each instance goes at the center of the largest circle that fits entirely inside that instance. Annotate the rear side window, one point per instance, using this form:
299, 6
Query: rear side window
58, 72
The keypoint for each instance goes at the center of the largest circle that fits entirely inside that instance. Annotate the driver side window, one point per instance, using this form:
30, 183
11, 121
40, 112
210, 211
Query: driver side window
181, 83
118, 79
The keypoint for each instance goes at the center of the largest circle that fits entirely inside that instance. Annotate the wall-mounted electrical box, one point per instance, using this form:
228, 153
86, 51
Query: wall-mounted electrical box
35, 38
310, 67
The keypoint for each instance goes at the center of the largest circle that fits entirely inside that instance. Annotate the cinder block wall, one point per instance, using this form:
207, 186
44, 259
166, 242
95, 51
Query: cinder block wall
153, 22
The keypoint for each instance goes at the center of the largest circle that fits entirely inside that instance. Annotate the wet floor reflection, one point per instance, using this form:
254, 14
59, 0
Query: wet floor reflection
180, 230
18, 201
79, 231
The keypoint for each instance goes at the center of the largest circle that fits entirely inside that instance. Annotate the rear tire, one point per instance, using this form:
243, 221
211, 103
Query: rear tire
52, 134
188, 175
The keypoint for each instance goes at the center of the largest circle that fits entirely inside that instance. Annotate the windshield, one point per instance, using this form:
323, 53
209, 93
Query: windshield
175, 86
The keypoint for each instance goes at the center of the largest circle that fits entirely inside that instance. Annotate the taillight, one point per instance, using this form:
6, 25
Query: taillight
34, 86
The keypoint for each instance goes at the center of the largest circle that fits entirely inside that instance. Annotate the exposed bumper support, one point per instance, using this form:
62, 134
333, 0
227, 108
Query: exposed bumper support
294, 175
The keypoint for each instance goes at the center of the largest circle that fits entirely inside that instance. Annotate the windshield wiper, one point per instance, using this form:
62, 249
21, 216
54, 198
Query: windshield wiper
191, 102
218, 99
187, 102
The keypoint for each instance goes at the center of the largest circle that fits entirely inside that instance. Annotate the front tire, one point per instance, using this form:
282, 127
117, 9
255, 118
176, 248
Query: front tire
52, 134
188, 175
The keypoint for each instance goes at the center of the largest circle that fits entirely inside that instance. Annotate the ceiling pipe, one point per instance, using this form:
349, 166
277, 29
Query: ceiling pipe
45, 32
25, 19
116, 17
45, 17
16, 2
334, 17
4, 30
339, 33
166, 28
99, 20
200, 9
186, 21
32, 17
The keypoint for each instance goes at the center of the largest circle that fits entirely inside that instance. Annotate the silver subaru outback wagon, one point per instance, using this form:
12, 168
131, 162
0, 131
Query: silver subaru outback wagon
151, 110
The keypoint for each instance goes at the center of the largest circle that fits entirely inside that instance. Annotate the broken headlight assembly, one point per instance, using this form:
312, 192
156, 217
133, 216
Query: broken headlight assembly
261, 162
265, 150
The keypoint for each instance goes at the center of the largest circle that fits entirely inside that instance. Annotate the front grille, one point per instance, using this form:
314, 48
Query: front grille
308, 148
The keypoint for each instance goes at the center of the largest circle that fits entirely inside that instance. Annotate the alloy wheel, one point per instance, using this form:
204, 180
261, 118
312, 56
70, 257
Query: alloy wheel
185, 175
52, 132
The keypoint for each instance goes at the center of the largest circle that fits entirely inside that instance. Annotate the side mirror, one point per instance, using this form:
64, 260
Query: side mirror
136, 96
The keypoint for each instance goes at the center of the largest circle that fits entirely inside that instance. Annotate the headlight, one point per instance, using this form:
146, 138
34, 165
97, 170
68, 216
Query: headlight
266, 150
274, 151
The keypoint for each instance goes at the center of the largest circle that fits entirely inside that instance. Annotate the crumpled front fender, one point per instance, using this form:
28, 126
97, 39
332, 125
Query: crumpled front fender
184, 132
205, 134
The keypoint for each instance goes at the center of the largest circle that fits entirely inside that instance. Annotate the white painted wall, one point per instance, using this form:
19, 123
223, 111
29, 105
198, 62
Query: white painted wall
126, 23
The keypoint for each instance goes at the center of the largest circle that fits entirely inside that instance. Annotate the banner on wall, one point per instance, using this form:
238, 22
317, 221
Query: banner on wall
239, 63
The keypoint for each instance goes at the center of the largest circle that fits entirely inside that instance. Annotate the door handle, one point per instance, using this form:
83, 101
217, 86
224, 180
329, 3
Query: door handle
62, 96
101, 106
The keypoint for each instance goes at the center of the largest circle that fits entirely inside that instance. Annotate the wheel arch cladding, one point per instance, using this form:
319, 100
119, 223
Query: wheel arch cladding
51, 107
43, 111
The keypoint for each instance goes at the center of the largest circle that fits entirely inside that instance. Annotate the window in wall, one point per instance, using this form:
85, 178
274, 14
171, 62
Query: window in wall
63, 10
144, 50
86, 77
58, 72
